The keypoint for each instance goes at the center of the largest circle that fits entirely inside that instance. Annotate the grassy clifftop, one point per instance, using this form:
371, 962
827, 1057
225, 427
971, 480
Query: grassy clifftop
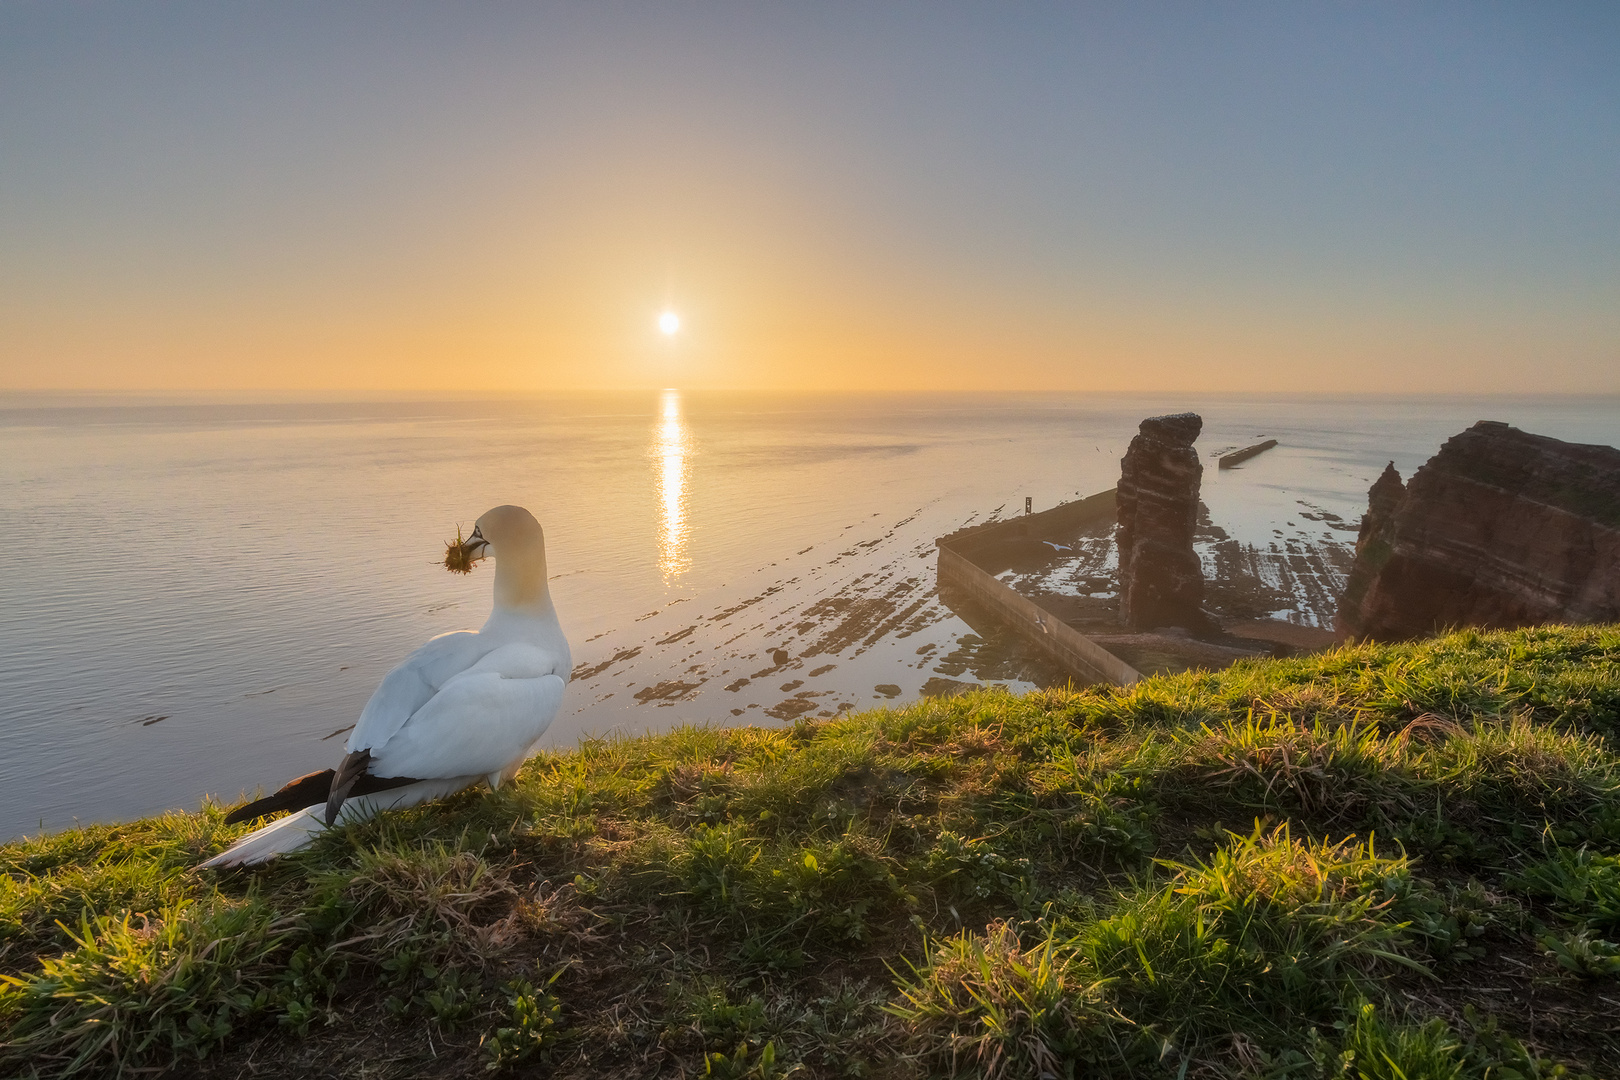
1377, 862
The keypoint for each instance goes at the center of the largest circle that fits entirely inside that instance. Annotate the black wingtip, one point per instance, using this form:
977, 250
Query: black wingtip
307, 790
324, 786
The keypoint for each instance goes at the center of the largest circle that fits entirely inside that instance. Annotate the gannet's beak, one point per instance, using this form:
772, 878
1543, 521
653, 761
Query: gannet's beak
475, 546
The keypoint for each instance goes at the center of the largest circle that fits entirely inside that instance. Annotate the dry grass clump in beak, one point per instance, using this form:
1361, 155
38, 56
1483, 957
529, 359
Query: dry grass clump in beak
457, 559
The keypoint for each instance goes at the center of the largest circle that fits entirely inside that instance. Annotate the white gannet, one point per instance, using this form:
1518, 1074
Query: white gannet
464, 707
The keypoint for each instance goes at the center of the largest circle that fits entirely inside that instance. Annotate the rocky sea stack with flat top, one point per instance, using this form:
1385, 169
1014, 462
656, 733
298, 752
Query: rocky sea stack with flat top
1161, 580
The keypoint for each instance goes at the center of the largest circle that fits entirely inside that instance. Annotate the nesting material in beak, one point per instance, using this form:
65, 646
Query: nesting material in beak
459, 554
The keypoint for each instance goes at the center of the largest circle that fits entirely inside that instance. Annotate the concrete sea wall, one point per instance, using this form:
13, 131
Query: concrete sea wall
1054, 638
1238, 457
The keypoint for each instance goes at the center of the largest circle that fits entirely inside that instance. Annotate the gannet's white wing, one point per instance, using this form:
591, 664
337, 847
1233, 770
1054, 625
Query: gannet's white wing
483, 721
412, 684
478, 725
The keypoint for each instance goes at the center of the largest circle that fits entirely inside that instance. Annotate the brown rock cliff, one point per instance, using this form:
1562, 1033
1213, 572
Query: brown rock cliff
1501, 528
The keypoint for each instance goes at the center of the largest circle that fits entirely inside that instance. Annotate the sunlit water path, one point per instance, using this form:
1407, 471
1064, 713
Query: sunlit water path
670, 450
198, 596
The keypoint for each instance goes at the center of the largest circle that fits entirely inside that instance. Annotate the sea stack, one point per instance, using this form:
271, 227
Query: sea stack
1501, 528
1161, 581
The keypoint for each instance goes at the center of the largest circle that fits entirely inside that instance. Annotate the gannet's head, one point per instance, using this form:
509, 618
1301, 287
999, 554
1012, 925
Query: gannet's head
515, 539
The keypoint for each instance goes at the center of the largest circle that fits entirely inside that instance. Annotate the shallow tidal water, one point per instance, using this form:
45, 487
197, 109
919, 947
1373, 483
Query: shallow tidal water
198, 597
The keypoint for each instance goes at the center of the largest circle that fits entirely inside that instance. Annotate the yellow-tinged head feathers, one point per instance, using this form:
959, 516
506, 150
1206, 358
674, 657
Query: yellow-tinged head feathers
513, 536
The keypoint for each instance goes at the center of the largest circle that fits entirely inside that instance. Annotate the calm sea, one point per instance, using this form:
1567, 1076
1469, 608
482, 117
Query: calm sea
199, 597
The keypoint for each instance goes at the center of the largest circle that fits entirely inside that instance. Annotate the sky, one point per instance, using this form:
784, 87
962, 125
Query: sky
504, 198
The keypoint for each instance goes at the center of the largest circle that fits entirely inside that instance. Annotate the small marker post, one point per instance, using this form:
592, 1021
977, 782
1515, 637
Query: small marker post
1029, 503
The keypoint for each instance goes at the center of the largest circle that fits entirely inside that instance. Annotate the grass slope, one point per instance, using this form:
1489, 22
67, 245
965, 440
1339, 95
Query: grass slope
1380, 862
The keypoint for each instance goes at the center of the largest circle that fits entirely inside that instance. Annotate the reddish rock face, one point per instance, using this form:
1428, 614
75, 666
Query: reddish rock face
1500, 529
1373, 543
1161, 581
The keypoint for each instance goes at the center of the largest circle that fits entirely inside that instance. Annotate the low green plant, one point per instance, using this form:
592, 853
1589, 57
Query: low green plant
1447, 923
307, 987
972, 869
1366, 1044
1104, 812
1370, 1048
536, 1016
33, 907
1326, 768
1580, 886
401, 891
1583, 953
721, 1018
451, 997
742, 1064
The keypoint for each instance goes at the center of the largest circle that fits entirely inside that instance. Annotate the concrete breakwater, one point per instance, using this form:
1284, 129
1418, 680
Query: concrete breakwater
1043, 629
1238, 457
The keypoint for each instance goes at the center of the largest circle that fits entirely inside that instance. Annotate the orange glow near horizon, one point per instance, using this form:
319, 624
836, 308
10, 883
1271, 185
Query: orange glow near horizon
547, 307
772, 327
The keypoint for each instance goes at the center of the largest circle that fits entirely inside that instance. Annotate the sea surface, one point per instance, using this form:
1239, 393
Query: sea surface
199, 596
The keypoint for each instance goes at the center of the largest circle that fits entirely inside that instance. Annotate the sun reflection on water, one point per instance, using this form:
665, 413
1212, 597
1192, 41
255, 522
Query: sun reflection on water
672, 446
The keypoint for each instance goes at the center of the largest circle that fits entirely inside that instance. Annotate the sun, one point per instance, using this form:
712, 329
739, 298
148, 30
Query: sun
669, 323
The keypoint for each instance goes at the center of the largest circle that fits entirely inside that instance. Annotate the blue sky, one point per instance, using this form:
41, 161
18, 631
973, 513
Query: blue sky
1124, 196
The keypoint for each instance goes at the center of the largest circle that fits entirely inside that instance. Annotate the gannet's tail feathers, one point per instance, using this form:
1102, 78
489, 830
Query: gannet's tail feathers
277, 838
299, 829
